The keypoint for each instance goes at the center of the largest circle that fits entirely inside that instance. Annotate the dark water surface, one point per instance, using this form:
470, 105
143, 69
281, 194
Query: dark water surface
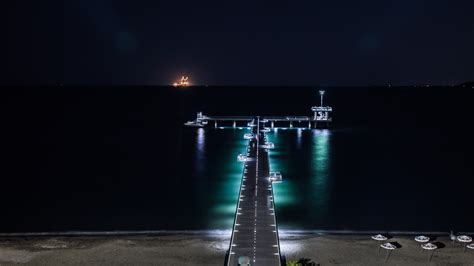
101, 159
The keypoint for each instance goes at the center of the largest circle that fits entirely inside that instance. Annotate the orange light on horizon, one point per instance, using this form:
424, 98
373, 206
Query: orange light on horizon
183, 82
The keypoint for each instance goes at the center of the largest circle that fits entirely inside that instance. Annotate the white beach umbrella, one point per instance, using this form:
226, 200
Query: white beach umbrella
429, 246
422, 239
379, 238
389, 247
470, 246
464, 239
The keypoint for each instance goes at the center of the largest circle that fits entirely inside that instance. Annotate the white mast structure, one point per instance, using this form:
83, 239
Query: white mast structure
322, 92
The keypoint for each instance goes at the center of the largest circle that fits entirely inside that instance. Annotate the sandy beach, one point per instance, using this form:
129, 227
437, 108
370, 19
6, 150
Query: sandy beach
210, 250
361, 250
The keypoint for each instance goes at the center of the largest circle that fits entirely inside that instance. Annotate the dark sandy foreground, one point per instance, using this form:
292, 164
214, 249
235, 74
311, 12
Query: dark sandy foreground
210, 250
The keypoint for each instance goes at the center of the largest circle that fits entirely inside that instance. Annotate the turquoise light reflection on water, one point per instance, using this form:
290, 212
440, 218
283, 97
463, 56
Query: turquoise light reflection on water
283, 192
303, 157
227, 184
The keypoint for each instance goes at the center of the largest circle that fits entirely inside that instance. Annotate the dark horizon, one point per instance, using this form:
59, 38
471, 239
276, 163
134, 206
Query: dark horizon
465, 84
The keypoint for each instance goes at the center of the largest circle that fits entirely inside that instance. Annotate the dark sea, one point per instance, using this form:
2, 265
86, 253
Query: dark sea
119, 159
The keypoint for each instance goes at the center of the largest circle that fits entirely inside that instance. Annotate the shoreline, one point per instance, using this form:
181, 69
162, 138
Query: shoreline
202, 249
282, 233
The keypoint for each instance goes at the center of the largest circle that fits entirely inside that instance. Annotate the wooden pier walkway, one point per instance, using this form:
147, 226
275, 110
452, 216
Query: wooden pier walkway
255, 231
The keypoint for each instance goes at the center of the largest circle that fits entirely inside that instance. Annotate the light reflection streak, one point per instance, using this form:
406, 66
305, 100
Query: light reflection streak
320, 168
200, 149
200, 140
299, 138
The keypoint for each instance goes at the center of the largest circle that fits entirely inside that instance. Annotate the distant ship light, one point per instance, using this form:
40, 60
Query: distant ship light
183, 82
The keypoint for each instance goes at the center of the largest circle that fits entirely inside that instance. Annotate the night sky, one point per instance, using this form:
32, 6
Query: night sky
330, 43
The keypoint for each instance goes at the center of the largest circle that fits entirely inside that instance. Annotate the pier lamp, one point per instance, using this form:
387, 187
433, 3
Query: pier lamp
322, 92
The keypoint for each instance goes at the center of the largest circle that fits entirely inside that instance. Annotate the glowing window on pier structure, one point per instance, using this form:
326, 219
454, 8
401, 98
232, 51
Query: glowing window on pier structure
322, 113
322, 116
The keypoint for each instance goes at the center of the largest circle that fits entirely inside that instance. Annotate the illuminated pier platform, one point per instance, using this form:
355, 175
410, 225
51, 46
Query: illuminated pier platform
321, 119
254, 238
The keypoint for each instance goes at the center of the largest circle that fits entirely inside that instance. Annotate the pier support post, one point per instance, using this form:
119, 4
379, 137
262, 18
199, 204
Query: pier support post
291, 124
215, 124
235, 124
309, 124
273, 124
